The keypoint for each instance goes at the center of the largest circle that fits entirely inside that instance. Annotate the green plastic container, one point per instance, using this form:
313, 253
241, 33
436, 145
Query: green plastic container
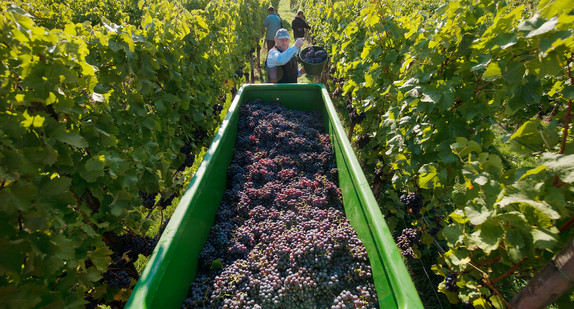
312, 68
165, 281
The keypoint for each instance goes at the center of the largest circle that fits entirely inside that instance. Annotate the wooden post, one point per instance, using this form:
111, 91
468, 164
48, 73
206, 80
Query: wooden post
555, 279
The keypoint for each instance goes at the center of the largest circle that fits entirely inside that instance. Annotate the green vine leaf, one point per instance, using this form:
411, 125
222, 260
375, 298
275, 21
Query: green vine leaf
72, 139
515, 245
545, 238
477, 216
530, 138
492, 72
523, 194
431, 177
487, 236
562, 165
463, 147
453, 235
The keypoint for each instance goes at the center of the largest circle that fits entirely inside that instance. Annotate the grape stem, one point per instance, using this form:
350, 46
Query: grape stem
20, 224
434, 239
157, 82
567, 225
509, 272
127, 228
508, 305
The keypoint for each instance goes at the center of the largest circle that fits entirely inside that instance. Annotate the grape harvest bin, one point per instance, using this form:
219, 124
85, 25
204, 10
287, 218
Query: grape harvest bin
165, 281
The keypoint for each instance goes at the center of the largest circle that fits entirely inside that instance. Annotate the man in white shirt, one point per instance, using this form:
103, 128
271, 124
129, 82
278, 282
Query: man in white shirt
282, 64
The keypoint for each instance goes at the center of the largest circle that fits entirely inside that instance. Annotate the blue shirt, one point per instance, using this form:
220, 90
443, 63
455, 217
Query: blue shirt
273, 23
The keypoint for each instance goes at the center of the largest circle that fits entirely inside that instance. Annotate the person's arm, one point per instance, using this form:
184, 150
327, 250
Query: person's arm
306, 25
276, 58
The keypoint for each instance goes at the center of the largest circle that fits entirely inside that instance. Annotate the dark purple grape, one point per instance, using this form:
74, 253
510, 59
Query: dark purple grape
363, 140
450, 282
413, 202
406, 240
280, 237
116, 276
148, 199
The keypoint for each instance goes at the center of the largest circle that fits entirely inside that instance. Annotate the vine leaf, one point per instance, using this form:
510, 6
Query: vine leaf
545, 238
12, 255
523, 194
458, 257
487, 236
101, 257
530, 138
492, 72
463, 147
568, 92
26, 296
216, 264
515, 245
550, 8
562, 165
544, 28
35, 121
72, 139
430, 177
453, 235
477, 217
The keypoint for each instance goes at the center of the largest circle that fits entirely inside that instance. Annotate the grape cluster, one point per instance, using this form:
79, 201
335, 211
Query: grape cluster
354, 116
126, 251
117, 276
148, 199
405, 242
337, 84
239, 73
280, 233
133, 246
92, 303
217, 108
189, 156
314, 56
413, 202
186, 148
363, 140
165, 202
450, 282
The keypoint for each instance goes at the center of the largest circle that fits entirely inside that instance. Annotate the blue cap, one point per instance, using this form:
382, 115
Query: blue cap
282, 34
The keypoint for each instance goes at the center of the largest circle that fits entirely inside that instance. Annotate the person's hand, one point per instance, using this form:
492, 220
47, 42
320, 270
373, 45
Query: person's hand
299, 42
302, 70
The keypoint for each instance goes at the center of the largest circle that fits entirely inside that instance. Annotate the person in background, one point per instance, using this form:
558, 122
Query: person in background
271, 24
281, 62
299, 25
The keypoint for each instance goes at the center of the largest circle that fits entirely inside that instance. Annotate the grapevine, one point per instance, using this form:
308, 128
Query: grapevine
101, 105
444, 84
